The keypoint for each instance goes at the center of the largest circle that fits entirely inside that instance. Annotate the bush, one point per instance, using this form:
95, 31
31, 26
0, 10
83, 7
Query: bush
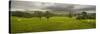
84, 15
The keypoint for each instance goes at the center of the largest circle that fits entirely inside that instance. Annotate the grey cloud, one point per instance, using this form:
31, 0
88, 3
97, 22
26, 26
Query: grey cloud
50, 6
84, 7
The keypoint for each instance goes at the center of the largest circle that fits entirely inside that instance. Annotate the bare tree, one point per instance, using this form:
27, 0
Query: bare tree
38, 14
48, 15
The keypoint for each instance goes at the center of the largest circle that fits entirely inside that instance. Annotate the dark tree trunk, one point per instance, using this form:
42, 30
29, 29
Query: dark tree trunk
47, 19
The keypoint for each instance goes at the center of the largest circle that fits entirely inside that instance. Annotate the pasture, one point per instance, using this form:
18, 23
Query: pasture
34, 24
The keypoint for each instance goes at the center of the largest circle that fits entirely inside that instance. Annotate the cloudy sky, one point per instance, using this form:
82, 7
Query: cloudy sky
33, 5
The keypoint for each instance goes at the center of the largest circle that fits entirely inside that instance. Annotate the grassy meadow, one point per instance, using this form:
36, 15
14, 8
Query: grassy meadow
35, 24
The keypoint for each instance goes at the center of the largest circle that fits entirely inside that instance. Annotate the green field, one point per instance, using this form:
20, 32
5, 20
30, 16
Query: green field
34, 24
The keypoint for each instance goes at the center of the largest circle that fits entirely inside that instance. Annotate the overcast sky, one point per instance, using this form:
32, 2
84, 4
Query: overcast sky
31, 5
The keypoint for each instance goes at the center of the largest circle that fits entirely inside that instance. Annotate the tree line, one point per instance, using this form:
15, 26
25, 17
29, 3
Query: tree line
48, 14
